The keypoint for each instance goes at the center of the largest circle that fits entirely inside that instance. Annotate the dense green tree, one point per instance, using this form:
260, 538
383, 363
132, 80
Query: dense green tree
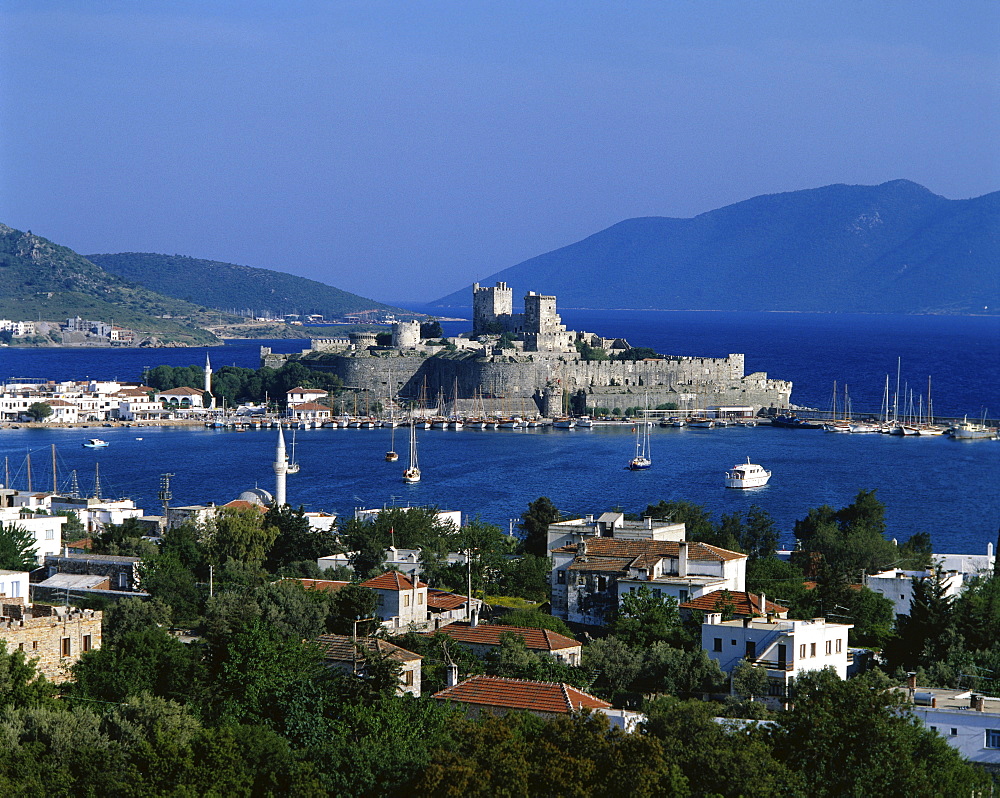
615, 663
21, 685
696, 519
679, 672
126, 539
39, 411
535, 524
296, 540
73, 529
520, 755
513, 660
526, 576
133, 615
750, 680
239, 535
857, 738
17, 548
165, 577
149, 659
644, 618
349, 604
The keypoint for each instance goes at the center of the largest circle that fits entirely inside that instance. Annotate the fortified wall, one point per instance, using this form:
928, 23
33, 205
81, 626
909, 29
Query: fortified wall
545, 365
54, 637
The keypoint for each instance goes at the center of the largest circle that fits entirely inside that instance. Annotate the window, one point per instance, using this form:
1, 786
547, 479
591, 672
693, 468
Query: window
560, 577
50, 534
838, 645
732, 642
20, 646
602, 583
67, 646
933, 728
683, 597
750, 652
34, 645
717, 644
15, 589
782, 655
993, 738
86, 642
408, 678
812, 649
406, 600
420, 598
954, 732
829, 647
802, 651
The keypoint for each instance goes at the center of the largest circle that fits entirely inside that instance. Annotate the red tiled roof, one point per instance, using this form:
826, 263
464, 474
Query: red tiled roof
182, 391
322, 584
311, 406
300, 389
611, 547
743, 603
489, 635
338, 648
494, 691
443, 600
392, 580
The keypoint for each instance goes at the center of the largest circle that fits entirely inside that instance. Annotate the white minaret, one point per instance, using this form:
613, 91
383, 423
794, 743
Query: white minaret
280, 469
208, 379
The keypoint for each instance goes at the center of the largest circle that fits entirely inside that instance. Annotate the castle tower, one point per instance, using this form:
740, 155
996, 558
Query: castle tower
406, 334
491, 305
208, 380
280, 469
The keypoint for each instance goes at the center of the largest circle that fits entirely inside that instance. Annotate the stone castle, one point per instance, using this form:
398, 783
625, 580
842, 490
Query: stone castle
530, 363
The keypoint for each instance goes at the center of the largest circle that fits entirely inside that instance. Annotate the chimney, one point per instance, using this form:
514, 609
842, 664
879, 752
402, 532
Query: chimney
473, 617
911, 683
649, 521
977, 702
682, 558
746, 622
452, 677
763, 605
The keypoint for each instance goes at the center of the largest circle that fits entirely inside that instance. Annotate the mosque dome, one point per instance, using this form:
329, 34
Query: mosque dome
256, 496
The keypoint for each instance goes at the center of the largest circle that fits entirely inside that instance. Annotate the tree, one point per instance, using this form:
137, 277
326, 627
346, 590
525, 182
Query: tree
296, 540
760, 535
126, 538
615, 662
17, 548
858, 738
21, 685
239, 535
352, 603
535, 619
526, 576
749, 680
431, 329
644, 618
696, 519
535, 523
851, 539
39, 411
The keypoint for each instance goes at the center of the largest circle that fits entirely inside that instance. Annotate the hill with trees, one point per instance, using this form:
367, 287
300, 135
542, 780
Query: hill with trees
230, 287
891, 248
40, 280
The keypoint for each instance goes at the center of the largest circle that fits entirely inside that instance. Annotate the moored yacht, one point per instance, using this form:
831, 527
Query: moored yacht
747, 475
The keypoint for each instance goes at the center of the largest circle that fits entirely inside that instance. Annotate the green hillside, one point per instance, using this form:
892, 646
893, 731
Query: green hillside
230, 287
43, 281
892, 248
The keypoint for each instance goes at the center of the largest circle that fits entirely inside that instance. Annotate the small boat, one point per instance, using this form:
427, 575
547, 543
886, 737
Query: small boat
747, 475
138, 439
642, 460
863, 428
564, 422
700, 422
793, 422
95, 443
968, 431
585, 422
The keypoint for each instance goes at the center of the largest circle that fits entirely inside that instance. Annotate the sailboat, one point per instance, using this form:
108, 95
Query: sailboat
641, 460
293, 464
412, 474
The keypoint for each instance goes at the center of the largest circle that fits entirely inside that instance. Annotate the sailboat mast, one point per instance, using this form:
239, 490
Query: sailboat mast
55, 483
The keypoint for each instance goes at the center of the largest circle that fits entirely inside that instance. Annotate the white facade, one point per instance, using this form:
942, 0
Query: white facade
452, 517
14, 584
897, 586
402, 601
611, 525
786, 648
968, 723
95, 514
45, 529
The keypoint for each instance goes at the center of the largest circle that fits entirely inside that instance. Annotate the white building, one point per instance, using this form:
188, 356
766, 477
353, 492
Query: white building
897, 586
14, 584
968, 722
785, 648
45, 529
452, 517
611, 525
589, 579
402, 600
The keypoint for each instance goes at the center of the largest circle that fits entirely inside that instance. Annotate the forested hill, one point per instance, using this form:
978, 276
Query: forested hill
228, 286
40, 280
892, 248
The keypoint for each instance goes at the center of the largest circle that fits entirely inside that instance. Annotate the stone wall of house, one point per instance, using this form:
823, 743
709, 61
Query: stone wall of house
53, 636
95, 565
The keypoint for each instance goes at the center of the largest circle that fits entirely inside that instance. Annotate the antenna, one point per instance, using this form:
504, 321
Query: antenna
165, 495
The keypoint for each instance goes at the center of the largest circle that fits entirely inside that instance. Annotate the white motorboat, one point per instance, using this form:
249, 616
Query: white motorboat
747, 475
95, 443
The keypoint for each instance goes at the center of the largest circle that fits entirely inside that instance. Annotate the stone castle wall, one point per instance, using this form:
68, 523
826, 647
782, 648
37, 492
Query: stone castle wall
42, 632
689, 382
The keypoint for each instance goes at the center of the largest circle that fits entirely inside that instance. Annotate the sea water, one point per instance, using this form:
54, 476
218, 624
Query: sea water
938, 485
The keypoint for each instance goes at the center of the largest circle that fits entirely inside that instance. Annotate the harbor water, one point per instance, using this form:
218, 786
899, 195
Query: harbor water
938, 485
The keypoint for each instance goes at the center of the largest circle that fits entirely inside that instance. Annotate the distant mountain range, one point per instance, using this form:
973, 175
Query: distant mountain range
43, 281
892, 248
230, 287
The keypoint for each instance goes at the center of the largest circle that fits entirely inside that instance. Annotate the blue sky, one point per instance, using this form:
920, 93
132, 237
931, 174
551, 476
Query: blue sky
401, 150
